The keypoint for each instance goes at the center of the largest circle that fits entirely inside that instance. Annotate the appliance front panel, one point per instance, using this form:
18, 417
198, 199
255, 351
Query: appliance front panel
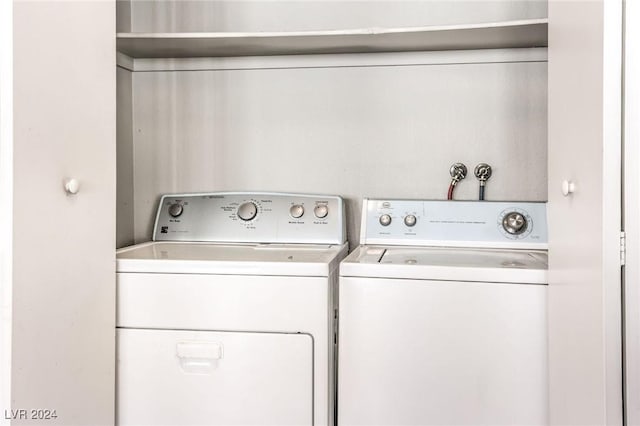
420, 352
168, 377
248, 303
223, 302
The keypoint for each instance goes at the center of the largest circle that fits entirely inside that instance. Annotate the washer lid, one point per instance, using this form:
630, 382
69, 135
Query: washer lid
465, 258
451, 264
230, 259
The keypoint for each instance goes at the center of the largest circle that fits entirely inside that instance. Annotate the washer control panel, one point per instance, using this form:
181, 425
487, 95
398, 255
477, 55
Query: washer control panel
243, 217
455, 223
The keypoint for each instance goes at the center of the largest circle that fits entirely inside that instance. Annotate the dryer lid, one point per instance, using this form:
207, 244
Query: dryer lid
230, 259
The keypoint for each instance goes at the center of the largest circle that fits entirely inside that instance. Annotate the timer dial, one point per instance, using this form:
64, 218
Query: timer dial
321, 211
385, 220
410, 220
247, 211
514, 223
175, 209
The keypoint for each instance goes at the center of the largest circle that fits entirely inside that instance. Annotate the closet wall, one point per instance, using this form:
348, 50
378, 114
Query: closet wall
299, 15
378, 125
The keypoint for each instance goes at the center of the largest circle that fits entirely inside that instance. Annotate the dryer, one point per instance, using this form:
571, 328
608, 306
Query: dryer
442, 317
228, 316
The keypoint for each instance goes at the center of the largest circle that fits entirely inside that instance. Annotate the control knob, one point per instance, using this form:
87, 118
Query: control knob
514, 223
410, 220
321, 211
247, 211
175, 209
385, 220
296, 211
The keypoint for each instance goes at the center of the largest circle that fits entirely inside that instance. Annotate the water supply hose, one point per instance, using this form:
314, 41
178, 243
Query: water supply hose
458, 171
483, 173
452, 186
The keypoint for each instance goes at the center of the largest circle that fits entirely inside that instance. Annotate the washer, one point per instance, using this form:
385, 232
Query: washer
228, 316
443, 315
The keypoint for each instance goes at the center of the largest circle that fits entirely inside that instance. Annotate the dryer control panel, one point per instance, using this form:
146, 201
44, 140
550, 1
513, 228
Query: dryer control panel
488, 224
243, 217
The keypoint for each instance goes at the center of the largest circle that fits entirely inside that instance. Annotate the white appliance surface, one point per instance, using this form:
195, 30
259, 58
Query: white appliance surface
258, 217
228, 329
248, 259
423, 352
449, 264
438, 333
436, 223
201, 372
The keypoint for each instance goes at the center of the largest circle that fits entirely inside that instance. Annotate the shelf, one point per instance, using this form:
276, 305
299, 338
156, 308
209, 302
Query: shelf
501, 35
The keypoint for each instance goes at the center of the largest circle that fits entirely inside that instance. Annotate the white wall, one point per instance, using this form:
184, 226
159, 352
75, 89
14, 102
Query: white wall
123, 15
291, 15
124, 160
379, 131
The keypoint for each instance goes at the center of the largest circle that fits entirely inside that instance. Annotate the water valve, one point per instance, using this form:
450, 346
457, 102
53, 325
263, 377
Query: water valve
483, 173
458, 171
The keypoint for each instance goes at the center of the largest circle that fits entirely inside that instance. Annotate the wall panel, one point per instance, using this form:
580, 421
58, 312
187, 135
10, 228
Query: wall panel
382, 131
124, 120
300, 15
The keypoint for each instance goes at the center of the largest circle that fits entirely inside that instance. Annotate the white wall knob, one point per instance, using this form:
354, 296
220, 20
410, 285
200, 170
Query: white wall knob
568, 187
72, 186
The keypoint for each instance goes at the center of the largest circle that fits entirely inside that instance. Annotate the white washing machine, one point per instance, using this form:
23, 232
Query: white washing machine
443, 315
228, 316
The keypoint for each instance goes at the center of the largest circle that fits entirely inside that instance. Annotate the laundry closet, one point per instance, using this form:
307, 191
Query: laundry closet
354, 98
387, 118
